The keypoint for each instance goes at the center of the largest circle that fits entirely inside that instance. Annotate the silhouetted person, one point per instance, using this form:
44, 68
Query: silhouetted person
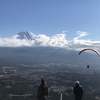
42, 91
78, 91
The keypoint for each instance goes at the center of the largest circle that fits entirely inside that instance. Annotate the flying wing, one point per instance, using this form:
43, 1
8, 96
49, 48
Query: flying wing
91, 50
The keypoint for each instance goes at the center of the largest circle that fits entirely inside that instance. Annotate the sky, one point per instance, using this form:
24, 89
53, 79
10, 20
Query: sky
76, 19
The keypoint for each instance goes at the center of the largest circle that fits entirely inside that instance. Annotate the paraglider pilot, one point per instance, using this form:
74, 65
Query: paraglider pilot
87, 66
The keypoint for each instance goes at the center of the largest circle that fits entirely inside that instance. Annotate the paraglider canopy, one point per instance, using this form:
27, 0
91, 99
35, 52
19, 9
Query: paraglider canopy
91, 50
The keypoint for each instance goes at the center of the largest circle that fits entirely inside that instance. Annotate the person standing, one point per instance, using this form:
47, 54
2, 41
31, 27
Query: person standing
42, 91
78, 91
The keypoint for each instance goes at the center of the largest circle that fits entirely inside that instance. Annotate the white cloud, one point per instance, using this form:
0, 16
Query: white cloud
11, 42
58, 40
81, 34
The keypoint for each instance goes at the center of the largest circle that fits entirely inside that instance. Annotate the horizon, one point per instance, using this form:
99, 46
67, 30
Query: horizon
29, 39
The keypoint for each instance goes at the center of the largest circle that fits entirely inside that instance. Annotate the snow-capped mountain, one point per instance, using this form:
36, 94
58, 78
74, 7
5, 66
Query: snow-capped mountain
25, 35
28, 39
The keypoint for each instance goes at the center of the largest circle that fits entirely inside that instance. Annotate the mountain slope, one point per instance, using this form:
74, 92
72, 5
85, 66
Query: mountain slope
25, 35
36, 55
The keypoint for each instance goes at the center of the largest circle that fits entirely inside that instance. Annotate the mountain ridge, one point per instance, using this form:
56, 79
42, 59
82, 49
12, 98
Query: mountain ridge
38, 55
25, 35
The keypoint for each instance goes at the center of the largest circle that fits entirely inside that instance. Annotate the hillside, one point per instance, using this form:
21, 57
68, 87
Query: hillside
29, 55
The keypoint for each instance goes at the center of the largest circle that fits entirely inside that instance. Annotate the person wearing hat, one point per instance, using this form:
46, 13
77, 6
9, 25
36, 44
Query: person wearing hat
78, 91
42, 91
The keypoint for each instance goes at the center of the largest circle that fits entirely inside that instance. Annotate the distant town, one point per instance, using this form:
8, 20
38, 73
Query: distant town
22, 82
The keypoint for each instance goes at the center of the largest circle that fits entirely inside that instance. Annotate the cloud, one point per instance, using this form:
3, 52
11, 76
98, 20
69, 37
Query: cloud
81, 34
58, 40
11, 42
